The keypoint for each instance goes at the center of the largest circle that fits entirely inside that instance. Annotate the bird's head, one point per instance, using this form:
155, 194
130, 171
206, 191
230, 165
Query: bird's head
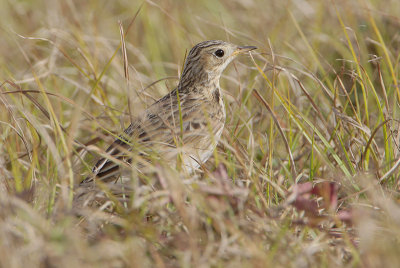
207, 60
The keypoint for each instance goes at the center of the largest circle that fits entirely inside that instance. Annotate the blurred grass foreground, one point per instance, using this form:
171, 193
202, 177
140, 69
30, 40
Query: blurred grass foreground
307, 171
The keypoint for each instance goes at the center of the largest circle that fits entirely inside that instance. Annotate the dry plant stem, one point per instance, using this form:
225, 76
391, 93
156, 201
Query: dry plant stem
292, 165
391, 171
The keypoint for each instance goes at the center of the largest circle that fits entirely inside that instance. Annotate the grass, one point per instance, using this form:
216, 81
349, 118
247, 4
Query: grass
306, 174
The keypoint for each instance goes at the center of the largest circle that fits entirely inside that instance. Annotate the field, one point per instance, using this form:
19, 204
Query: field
306, 173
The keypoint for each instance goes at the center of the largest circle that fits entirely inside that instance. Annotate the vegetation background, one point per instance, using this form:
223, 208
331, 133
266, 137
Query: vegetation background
306, 174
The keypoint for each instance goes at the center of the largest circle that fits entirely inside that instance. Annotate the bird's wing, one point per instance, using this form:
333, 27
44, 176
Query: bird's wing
159, 129
107, 168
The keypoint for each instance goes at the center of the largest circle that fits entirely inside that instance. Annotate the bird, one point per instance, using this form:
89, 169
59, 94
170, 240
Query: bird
183, 127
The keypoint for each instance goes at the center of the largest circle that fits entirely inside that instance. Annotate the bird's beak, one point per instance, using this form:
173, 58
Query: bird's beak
243, 49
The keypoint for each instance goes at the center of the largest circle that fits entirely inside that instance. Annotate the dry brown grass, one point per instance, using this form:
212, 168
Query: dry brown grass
323, 87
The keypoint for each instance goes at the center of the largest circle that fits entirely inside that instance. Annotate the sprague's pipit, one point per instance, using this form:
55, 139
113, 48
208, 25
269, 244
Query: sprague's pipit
182, 127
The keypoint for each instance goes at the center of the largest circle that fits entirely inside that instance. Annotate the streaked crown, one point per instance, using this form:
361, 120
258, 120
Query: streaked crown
207, 60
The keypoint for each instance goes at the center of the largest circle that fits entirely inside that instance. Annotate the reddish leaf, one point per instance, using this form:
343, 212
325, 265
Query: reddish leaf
329, 193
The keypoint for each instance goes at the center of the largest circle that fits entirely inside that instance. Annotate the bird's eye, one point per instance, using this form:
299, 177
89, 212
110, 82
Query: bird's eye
219, 53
